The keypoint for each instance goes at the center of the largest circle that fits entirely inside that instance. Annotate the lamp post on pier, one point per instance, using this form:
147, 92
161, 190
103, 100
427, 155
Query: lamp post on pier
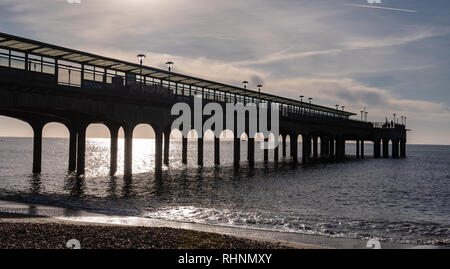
301, 104
245, 83
141, 58
169, 66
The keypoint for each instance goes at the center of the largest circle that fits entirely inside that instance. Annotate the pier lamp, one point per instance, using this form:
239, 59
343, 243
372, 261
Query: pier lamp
405, 120
365, 114
259, 87
362, 113
310, 100
141, 58
169, 66
245, 83
301, 103
343, 107
394, 119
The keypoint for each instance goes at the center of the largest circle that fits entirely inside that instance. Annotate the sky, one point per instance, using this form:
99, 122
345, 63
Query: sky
390, 57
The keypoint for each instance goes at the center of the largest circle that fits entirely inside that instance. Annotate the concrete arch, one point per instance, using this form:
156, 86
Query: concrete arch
208, 144
208, 134
287, 139
258, 151
54, 129
144, 147
226, 134
175, 135
144, 131
97, 147
228, 146
244, 146
192, 143
17, 126
54, 134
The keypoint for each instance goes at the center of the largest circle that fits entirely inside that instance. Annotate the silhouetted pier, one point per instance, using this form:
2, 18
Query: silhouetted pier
42, 83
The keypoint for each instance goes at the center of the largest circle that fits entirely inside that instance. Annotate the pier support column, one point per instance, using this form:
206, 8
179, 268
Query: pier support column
362, 148
294, 148
331, 146
200, 151
184, 143
306, 148
315, 147
217, 150
158, 150
357, 149
37, 146
81, 151
395, 144
128, 150
166, 146
284, 145
266, 151
323, 146
276, 153
340, 149
403, 148
236, 150
326, 147
385, 148
72, 149
251, 152
376, 148
114, 131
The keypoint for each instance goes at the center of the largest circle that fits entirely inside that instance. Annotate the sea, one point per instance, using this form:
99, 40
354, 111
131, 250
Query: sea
393, 200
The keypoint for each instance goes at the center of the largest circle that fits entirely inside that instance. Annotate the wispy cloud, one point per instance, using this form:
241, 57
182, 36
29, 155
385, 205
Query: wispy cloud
345, 46
354, 95
380, 7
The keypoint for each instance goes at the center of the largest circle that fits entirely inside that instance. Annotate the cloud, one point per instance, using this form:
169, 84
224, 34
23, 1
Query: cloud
257, 80
355, 95
329, 52
285, 55
379, 7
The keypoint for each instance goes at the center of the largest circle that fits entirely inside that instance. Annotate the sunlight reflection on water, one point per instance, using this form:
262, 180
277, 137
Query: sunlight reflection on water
403, 200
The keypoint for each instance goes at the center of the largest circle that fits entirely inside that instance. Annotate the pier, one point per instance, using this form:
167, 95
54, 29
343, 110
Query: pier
42, 83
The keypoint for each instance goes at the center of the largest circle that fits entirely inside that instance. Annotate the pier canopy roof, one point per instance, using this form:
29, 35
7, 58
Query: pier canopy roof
25, 45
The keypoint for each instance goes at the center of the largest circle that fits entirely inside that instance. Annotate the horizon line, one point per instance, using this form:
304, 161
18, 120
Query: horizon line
61, 137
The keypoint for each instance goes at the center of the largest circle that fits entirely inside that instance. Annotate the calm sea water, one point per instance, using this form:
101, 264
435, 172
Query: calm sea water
397, 200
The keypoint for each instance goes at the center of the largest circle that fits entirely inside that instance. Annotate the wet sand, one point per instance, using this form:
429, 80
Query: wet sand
28, 225
20, 231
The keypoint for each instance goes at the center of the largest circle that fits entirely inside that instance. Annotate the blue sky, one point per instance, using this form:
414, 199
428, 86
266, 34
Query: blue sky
394, 58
